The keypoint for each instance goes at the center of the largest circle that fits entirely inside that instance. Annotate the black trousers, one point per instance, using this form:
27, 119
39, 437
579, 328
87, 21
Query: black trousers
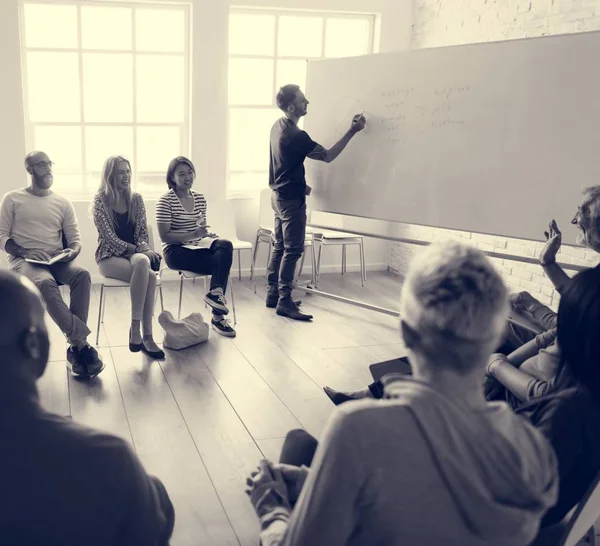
288, 244
215, 261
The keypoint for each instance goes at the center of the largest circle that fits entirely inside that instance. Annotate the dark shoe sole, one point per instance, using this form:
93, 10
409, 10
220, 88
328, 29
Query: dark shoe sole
136, 347
85, 375
221, 308
294, 316
155, 355
221, 333
338, 398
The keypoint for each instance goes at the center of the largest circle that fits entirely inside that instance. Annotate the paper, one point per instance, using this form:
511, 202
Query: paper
203, 243
51, 261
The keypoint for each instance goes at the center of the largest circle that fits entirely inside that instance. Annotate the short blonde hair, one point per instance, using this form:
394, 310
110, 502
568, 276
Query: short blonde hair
454, 298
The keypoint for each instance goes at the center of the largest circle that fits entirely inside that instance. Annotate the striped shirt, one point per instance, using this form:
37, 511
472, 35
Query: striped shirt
169, 210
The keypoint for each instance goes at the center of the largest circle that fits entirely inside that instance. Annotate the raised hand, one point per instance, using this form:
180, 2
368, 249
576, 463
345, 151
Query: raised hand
358, 123
552, 246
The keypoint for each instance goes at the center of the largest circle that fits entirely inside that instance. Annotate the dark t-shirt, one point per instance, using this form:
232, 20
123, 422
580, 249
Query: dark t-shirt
289, 148
570, 420
125, 229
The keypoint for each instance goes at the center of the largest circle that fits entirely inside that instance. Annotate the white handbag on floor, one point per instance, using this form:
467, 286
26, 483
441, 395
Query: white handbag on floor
184, 332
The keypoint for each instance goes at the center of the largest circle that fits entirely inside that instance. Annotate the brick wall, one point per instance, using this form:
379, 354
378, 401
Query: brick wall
450, 22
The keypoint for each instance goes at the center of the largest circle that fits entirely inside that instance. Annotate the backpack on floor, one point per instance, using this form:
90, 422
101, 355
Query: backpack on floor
185, 332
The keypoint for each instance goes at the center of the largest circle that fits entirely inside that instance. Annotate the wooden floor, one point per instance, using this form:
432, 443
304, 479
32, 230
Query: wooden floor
202, 419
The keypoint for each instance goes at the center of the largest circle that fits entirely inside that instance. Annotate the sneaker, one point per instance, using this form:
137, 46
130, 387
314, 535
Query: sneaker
89, 356
74, 363
290, 309
223, 327
217, 301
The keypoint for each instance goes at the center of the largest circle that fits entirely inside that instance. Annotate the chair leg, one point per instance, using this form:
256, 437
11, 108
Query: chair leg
230, 286
254, 254
268, 262
103, 308
363, 266
313, 264
100, 313
180, 295
319, 261
343, 259
162, 303
239, 252
205, 291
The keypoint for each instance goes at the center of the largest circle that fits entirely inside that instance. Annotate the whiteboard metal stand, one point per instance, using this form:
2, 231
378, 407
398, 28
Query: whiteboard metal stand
310, 289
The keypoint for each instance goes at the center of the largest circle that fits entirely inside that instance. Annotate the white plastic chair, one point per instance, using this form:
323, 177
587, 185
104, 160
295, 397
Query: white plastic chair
339, 238
221, 218
108, 282
265, 232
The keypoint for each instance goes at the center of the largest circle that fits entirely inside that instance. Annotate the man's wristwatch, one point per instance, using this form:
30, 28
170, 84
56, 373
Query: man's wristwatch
550, 262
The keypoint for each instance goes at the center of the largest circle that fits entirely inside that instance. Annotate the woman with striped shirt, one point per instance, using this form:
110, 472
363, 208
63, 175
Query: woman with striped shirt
187, 242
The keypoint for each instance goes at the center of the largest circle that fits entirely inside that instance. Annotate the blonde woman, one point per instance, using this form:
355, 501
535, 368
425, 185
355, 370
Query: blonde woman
124, 251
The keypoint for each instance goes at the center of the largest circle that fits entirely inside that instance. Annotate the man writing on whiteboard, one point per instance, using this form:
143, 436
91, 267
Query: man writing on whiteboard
290, 146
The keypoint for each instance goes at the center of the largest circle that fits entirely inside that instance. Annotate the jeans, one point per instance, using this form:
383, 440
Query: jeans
71, 320
288, 244
215, 261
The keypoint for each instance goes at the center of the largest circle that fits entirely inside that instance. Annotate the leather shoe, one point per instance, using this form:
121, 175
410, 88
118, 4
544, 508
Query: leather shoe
290, 309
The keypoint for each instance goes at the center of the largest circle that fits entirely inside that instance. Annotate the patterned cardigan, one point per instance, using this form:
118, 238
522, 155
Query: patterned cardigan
109, 243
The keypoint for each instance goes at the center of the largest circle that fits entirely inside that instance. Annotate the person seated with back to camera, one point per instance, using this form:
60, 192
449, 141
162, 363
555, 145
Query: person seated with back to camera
433, 463
187, 243
124, 249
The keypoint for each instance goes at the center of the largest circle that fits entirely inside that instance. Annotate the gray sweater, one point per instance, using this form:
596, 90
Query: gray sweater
421, 469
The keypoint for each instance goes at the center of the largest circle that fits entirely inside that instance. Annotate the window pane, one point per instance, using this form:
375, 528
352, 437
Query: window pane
291, 72
251, 81
251, 34
105, 28
102, 142
245, 182
346, 37
300, 36
160, 88
249, 131
63, 146
151, 185
50, 26
156, 146
160, 30
108, 87
53, 86
72, 186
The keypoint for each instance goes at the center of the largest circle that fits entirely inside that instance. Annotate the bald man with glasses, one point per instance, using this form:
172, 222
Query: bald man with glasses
38, 224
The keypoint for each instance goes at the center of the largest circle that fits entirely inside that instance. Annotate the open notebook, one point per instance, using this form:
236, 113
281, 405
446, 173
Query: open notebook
51, 261
205, 242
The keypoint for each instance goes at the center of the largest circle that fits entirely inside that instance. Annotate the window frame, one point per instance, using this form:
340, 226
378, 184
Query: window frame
370, 18
85, 192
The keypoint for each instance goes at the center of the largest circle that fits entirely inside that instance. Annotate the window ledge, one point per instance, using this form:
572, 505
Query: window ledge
248, 194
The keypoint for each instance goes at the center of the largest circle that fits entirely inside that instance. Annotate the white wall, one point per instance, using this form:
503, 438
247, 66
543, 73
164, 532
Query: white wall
450, 22
209, 106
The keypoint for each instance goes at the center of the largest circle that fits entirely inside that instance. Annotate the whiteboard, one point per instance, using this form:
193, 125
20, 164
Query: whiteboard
494, 138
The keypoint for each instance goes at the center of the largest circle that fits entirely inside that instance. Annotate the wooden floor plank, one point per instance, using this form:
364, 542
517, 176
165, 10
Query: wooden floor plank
225, 446
98, 403
263, 413
53, 388
164, 444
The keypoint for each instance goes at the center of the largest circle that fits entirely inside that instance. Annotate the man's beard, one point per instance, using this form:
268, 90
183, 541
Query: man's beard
41, 182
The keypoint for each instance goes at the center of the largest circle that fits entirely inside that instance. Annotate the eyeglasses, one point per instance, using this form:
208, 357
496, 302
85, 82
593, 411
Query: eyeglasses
44, 164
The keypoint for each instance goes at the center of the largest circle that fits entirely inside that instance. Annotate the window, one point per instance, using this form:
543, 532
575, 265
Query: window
268, 49
106, 79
